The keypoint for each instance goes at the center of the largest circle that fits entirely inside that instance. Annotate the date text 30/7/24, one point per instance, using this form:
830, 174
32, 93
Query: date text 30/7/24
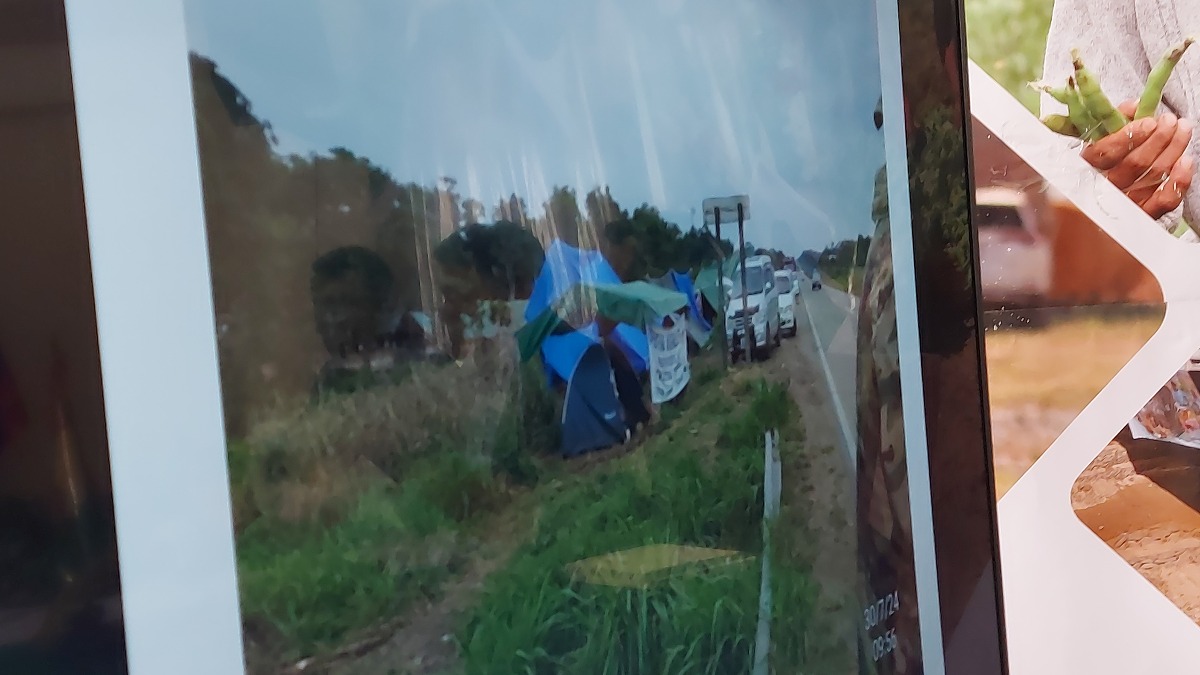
875, 614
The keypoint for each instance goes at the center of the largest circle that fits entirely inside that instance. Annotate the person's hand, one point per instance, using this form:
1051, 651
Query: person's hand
1146, 160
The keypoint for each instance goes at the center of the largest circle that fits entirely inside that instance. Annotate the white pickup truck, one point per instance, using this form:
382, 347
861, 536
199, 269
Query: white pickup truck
762, 309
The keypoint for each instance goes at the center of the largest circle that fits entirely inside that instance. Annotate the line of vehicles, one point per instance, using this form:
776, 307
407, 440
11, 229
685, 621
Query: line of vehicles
771, 301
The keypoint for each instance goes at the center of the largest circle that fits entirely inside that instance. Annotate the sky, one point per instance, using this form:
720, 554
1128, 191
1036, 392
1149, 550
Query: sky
668, 102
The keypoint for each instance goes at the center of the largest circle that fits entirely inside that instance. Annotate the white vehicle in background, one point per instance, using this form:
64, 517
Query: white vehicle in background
1019, 258
785, 281
762, 309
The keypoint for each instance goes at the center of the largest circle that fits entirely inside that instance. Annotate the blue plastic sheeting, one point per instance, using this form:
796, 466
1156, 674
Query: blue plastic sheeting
683, 284
564, 267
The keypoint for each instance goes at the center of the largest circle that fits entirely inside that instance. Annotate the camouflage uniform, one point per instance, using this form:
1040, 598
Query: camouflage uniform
884, 522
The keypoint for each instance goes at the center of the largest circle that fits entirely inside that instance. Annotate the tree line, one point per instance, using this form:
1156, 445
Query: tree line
316, 255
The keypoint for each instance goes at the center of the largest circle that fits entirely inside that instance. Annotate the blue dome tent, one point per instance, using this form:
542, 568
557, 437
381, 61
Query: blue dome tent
565, 267
595, 415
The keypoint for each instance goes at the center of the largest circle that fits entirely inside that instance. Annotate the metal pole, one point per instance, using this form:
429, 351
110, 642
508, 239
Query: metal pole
721, 288
746, 322
771, 497
850, 278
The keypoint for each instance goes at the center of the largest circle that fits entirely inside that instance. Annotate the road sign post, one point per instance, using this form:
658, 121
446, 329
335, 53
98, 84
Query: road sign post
736, 206
747, 323
721, 288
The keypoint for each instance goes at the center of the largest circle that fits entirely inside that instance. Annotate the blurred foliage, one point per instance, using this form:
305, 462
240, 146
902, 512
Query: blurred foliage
1007, 38
384, 250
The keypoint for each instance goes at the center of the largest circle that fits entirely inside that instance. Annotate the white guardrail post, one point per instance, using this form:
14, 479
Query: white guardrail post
772, 471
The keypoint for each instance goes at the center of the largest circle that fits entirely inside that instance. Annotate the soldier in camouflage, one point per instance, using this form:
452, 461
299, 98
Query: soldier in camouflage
934, 139
884, 522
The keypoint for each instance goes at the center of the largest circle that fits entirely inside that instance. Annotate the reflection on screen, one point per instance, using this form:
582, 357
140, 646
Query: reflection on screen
502, 394
60, 591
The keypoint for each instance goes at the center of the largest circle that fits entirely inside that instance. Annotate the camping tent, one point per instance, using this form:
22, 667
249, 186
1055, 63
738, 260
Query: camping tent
603, 398
592, 415
566, 267
637, 303
697, 326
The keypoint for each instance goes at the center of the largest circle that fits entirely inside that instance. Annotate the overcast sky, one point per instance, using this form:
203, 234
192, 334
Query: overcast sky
666, 101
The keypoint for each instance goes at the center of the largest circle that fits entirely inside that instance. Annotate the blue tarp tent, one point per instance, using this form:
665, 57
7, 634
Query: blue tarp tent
697, 326
564, 267
594, 417
683, 284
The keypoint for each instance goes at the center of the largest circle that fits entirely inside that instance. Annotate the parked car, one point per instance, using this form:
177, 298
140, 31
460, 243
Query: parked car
1018, 258
761, 310
786, 283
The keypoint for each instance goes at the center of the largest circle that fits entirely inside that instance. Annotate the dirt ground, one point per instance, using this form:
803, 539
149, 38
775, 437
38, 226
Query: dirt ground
1020, 434
828, 487
1142, 497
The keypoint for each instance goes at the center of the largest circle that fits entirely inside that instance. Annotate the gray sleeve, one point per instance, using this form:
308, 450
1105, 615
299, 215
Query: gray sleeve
1106, 34
1107, 37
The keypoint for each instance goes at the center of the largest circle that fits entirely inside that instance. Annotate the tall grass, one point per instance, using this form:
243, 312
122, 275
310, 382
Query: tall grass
350, 509
701, 489
314, 588
311, 463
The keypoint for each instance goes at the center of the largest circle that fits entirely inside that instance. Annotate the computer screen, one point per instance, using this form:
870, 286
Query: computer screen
461, 337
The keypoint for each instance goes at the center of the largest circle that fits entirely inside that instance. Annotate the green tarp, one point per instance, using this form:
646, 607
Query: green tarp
533, 333
709, 286
636, 303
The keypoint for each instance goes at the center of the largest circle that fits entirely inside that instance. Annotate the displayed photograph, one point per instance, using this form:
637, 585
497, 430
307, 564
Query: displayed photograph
542, 333
1082, 98
1059, 294
1065, 307
1117, 78
1140, 495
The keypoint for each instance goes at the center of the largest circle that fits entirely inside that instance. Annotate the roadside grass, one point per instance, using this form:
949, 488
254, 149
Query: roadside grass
353, 509
841, 278
698, 483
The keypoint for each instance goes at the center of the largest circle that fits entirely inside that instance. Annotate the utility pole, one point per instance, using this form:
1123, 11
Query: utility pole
721, 287
716, 207
746, 322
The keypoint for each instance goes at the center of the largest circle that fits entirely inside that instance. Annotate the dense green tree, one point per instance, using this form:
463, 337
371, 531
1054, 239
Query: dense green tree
320, 253
352, 294
561, 216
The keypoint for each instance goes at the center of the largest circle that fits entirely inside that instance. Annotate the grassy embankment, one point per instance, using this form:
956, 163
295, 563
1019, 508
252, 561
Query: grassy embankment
354, 510
841, 276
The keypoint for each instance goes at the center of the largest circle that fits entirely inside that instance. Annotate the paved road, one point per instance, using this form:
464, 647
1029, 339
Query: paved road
835, 331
